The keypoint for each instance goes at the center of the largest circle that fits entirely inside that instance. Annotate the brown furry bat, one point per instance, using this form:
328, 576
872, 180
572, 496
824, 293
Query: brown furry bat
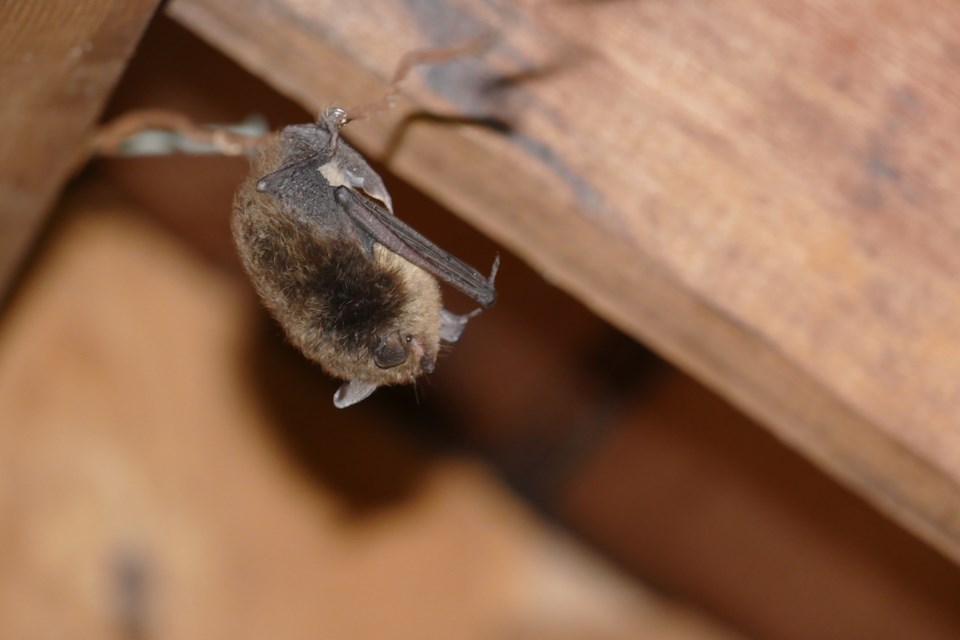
352, 285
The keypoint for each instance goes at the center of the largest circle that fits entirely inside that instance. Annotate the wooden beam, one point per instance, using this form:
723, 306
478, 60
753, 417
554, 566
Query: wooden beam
762, 192
59, 60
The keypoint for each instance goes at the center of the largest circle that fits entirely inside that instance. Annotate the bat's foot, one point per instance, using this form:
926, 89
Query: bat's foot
452, 325
334, 118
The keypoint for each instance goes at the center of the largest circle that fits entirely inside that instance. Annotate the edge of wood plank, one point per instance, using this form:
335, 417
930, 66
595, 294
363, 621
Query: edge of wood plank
59, 60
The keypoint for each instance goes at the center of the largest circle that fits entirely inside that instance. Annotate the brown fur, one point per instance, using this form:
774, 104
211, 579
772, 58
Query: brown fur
335, 303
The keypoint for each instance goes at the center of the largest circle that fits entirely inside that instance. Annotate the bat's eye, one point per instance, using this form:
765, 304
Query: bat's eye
391, 351
408, 339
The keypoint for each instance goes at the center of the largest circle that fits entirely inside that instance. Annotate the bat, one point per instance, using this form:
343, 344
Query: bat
353, 286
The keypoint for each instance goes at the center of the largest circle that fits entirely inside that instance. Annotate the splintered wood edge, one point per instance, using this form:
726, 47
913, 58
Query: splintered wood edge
608, 274
63, 60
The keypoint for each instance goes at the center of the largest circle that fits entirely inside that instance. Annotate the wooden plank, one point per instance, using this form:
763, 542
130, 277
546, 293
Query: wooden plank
761, 192
59, 59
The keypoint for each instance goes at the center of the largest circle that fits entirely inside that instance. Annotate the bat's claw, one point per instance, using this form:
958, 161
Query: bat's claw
494, 269
489, 298
334, 117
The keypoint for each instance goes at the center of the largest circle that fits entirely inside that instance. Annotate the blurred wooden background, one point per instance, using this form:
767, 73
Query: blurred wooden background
171, 469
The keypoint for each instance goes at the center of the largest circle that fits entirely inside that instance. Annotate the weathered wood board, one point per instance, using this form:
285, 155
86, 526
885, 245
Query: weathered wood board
59, 60
764, 192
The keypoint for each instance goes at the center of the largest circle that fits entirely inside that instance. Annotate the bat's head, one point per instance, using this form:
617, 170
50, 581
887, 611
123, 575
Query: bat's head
396, 359
404, 348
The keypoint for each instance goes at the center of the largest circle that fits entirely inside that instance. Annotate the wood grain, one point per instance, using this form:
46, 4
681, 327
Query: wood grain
762, 192
59, 60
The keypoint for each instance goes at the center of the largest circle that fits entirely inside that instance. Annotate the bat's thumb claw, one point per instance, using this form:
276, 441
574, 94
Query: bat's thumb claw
494, 269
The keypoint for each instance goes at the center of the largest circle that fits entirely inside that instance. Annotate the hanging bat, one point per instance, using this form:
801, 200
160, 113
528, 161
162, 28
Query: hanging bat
353, 286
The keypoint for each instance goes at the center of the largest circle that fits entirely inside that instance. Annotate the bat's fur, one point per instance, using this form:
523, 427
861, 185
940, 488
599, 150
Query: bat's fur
337, 305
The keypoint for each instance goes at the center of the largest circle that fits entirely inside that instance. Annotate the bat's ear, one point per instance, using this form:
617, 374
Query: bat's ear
352, 392
452, 325
360, 176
